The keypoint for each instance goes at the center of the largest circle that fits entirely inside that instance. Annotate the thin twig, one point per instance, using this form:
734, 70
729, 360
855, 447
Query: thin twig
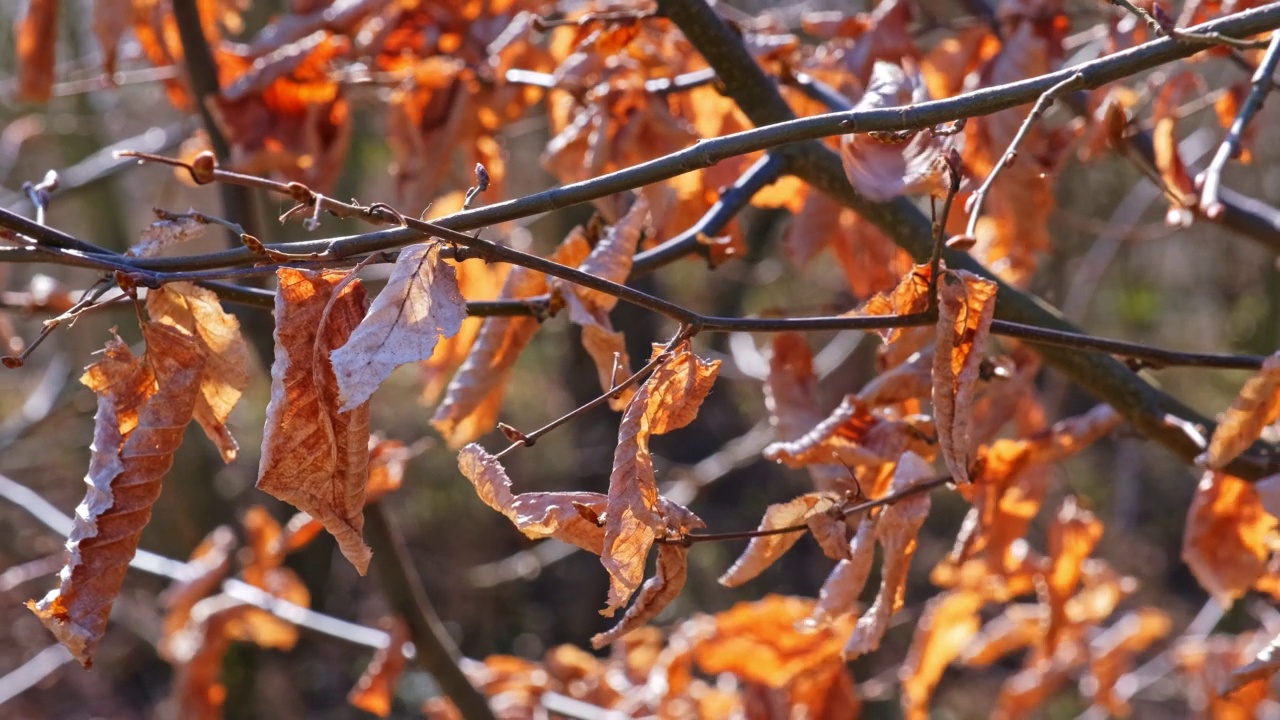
1011, 153
1210, 204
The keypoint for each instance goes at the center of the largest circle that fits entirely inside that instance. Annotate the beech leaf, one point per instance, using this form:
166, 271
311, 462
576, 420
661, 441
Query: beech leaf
376, 687
537, 515
657, 592
226, 356
144, 404
764, 550
1225, 542
966, 303
669, 400
947, 625
420, 304
1257, 406
315, 456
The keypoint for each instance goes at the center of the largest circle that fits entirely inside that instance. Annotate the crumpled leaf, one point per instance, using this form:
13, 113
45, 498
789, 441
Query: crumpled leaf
764, 550
537, 515
376, 687
209, 563
110, 20
851, 435
791, 398
910, 295
420, 304
316, 457
883, 167
1225, 542
657, 592
143, 406
226, 356
844, 584
966, 303
668, 401
1257, 406
37, 39
167, 231
947, 625
896, 530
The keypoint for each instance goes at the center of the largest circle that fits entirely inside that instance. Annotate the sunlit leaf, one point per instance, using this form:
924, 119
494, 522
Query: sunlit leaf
965, 307
1257, 406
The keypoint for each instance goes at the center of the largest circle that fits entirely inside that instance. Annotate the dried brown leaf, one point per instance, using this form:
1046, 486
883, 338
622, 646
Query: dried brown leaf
668, 401
167, 232
144, 404
966, 303
758, 642
226, 356
910, 295
851, 435
420, 304
1225, 542
896, 531
1112, 652
658, 592
1072, 537
764, 550
1257, 406
375, 688
537, 515
110, 20
314, 456
844, 584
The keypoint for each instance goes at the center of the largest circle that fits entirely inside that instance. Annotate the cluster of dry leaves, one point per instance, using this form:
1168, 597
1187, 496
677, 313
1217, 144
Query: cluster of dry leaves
948, 405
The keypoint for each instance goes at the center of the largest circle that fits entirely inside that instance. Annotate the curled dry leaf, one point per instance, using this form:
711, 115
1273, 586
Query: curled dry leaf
314, 456
477, 280
668, 401
167, 232
143, 406
852, 435
1257, 406
896, 531
764, 550
209, 564
947, 625
1019, 626
225, 354
910, 295
844, 584
474, 396
537, 515
882, 168
1226, 540
376, 687
658, 592
966, 304
420, 304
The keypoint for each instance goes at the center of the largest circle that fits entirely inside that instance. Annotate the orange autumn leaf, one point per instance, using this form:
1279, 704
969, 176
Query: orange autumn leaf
846, 580
764, 550
965, 307
655, 595
209, 564
477, 280
791, 398
1257, 406
226, 356
1018, 626
537, 515
144, 404
668, 401
758, 642
420, 304
896, 530
949, 622
374, 690
314, 456
1226, 540
1072, 538
910, 295
37, 39
851, 435
110, 20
